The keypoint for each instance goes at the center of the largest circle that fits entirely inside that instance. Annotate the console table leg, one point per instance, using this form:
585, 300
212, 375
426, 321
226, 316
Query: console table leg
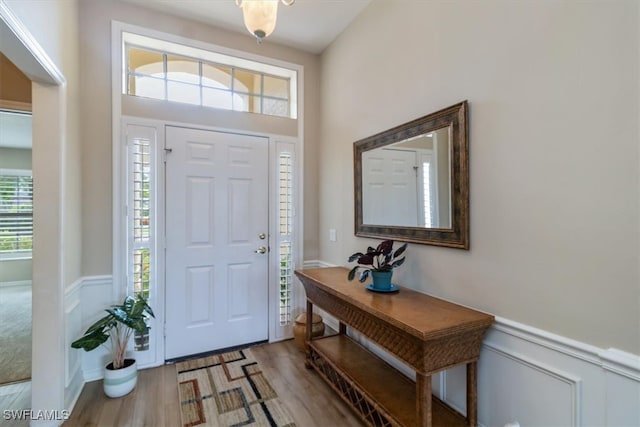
423, 400
472, 394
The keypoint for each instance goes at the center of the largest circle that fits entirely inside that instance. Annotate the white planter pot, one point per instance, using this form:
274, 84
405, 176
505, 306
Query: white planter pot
120, 382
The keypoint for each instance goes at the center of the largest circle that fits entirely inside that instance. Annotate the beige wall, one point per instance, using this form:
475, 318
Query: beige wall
15, 85
15, 270
15, 158
553, 98
95, 99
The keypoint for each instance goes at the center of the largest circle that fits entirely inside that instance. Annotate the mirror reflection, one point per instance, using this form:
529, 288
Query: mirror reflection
408, 183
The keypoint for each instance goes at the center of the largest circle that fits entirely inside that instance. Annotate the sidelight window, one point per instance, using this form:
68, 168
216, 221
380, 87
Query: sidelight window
141, 219
285, 217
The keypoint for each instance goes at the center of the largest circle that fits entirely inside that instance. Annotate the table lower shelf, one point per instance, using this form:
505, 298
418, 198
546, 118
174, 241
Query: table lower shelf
380, 394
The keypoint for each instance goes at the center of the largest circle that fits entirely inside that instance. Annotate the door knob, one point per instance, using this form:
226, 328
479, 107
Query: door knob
261, 250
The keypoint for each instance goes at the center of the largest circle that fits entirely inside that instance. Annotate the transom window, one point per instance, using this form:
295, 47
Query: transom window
16, 213
208, 79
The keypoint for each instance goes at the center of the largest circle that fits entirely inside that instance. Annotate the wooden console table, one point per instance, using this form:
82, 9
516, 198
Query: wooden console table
427, 333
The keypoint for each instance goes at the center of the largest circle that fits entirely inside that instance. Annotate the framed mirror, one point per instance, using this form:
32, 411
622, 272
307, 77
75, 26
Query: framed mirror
412, 181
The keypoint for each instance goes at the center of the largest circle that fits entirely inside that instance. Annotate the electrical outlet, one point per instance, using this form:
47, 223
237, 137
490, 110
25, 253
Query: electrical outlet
333, 235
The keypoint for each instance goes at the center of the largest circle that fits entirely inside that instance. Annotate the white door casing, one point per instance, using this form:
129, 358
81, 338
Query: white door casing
216, 211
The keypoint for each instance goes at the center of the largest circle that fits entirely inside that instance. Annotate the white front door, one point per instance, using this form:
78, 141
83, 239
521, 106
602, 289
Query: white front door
389, 181
216, 224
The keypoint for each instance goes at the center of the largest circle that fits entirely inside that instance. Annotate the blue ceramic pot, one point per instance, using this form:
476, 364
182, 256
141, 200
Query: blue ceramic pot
382, 280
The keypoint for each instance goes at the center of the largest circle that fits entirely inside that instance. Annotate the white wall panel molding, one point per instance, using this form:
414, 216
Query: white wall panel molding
563, 390
73, 378
96, 294
550, 379
621, 363
611, 359
548, 340
97, 281
73, 318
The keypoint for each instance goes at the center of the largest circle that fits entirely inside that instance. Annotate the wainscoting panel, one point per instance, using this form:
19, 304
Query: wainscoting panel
73, 320
74, 380
96, 295
536, 378
524, 389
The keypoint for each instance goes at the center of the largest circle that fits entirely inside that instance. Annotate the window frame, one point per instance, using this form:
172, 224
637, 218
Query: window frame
24, 254
205, 56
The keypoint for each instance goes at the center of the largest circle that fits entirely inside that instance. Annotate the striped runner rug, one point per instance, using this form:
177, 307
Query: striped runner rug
228, 389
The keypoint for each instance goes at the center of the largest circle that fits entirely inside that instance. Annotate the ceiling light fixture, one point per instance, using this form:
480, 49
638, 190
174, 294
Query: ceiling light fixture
260, 15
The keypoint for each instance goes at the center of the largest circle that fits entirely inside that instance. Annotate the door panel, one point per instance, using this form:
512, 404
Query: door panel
389, 178
217, 205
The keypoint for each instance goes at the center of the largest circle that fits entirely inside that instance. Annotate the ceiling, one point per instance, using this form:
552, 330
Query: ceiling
309, 25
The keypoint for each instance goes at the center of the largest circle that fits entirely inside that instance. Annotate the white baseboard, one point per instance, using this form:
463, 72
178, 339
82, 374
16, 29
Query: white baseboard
15, 283
534, 377
316, 263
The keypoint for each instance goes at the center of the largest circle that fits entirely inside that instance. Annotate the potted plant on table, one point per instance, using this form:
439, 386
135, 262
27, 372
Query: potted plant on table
120, 323
379, 263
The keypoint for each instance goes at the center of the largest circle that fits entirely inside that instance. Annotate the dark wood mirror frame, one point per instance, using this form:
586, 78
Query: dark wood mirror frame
458, 235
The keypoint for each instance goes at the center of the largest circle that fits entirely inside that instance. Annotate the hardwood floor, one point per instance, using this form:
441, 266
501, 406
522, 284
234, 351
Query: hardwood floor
154, 402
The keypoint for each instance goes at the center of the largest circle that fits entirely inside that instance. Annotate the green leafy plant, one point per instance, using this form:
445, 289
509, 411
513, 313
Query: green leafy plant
382, 258
119, 324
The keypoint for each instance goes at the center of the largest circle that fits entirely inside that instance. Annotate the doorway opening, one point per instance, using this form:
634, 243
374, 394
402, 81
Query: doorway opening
16, 236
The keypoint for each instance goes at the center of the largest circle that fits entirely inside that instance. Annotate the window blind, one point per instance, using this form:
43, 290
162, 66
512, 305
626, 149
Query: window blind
16, 213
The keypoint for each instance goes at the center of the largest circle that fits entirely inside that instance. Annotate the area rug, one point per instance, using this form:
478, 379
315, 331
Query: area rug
228, 389
15, 333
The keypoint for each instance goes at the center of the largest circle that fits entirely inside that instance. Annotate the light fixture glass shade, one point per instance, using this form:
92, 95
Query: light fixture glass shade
260, 16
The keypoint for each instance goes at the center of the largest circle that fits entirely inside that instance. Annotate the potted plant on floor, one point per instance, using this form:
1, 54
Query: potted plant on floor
120, 323
379, 263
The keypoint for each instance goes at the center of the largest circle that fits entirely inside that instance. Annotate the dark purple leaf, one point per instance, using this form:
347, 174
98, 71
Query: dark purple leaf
352, 273
366, 259
386, 247
355, 256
